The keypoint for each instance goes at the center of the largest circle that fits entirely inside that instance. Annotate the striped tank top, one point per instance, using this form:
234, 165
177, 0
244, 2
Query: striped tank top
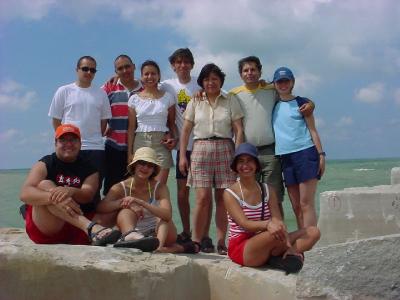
252, 212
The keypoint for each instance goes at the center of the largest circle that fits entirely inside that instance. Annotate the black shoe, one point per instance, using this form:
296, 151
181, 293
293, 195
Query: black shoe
289, 264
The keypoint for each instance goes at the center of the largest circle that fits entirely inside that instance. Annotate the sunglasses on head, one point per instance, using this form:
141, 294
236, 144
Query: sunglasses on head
87, 69
124, 67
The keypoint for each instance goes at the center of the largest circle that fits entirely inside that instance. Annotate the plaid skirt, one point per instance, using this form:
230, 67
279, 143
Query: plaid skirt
210, 164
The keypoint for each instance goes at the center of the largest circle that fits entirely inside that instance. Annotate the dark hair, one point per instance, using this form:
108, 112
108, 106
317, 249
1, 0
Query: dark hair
123, 56
207, 70
181, 52
150, 63
249, 59
78, 64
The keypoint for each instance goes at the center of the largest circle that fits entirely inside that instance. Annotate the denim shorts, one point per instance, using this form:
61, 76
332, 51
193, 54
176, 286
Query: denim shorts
300, 166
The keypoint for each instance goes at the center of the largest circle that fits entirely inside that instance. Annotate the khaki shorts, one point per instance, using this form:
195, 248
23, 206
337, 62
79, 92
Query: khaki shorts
153, 140
271, 169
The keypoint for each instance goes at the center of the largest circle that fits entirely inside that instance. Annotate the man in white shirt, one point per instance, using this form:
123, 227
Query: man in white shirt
182, 87
86, 107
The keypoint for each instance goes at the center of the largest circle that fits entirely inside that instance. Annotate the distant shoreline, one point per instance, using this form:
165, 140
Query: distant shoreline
328, 160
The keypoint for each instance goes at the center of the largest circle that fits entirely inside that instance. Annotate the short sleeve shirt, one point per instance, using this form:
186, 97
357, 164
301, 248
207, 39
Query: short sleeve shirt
151, 114
213, 119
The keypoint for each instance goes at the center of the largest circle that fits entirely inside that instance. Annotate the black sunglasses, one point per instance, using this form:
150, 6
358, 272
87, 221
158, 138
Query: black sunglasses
124, 67
87, 69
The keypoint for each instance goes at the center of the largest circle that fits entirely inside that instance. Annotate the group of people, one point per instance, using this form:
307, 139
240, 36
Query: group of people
229, 142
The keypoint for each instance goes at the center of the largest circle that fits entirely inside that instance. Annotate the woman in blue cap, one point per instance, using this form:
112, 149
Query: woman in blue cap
298, 144
257, 234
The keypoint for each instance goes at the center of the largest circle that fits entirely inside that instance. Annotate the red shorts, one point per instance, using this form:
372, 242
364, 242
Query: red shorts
68, 234
236, 247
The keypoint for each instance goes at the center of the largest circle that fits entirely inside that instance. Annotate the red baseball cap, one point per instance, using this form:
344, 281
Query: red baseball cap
67, 128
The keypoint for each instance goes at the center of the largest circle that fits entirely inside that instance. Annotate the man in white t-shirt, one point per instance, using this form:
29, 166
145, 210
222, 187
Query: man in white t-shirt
86, 107
182, 87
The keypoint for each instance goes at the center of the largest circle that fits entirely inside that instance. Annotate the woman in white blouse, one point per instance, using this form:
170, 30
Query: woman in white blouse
152, 119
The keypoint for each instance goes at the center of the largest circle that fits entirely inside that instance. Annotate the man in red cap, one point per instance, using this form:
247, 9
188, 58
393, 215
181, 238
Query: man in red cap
60, 196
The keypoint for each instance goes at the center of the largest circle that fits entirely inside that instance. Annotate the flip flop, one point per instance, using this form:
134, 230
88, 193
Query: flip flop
146, 244
290, 264
183, 237
109, 238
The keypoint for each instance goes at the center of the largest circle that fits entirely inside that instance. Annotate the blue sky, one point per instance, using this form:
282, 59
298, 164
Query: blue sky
345, 56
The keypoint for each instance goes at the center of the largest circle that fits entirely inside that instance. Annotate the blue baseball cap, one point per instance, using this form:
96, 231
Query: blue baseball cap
249, 149
283, 73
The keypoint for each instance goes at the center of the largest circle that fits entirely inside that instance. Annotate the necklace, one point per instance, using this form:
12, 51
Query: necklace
241, 190
148, 188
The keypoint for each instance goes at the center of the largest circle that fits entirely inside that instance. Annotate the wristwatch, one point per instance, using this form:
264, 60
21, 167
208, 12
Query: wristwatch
322, 153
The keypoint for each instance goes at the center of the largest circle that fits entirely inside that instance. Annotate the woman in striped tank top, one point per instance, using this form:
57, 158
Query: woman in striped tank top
257, 234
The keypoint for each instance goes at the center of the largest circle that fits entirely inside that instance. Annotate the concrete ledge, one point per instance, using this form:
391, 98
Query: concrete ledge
395, 176
359, 213
30, 271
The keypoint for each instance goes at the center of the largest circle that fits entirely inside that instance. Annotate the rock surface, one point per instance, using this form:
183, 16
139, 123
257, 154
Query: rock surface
359, 213
30, 271
366, 269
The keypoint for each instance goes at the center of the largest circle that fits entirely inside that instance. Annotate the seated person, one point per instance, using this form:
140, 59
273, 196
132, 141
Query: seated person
59, 194
257, 234
144, 208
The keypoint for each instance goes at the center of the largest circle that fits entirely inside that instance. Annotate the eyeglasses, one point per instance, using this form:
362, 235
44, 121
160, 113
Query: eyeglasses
124, 67
87, 69
64, 140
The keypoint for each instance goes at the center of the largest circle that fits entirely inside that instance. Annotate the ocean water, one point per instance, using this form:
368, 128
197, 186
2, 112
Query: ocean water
339, 174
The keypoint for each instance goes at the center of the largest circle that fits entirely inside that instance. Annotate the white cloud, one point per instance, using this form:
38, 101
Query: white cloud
9, 134
25, 9
373, 93
345, 121
14, 96
397, 96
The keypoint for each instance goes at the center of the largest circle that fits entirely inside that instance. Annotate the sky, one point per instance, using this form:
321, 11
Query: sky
345, 56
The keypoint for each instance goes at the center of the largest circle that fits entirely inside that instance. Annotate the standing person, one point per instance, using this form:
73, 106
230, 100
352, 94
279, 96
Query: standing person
214, 120
257, 234
258, 101
86, 107
60, 196
300, 149
182, 87
151, 119
118, 92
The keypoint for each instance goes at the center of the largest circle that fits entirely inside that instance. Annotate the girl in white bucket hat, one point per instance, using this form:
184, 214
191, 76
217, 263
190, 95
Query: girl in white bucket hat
144, 212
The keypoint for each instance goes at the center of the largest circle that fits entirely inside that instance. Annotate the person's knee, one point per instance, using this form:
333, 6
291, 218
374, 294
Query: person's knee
314, 233
126, 214
46, 184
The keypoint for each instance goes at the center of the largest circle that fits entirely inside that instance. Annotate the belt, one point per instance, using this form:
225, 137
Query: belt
259, 148
213, 138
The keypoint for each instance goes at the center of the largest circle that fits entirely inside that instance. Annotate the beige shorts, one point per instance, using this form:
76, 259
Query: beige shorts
153, 140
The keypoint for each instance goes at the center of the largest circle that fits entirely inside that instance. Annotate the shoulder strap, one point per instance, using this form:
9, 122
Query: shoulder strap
123, 186
155, 189
234, 195
262, 200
